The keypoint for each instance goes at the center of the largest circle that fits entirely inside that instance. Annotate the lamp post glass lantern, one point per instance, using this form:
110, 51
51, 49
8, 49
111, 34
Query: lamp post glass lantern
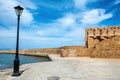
18, 10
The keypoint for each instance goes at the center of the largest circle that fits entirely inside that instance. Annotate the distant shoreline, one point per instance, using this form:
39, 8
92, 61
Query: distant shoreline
42, 52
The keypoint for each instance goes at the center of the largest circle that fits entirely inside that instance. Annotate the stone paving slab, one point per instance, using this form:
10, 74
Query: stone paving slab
71, 69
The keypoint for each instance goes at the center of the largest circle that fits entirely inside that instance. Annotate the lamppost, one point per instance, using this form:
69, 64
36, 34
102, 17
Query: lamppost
18, 10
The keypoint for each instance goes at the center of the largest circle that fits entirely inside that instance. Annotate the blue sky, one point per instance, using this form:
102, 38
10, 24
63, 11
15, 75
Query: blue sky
54, 23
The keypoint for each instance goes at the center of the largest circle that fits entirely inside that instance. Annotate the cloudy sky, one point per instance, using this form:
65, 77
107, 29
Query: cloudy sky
54, 23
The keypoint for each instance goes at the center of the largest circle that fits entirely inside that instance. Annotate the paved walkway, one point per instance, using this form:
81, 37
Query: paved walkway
71, 69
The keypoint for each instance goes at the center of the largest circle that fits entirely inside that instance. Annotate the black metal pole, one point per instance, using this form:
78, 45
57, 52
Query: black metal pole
17, 61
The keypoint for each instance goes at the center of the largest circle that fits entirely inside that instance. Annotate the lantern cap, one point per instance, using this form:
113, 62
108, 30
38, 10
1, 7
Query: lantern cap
18, 10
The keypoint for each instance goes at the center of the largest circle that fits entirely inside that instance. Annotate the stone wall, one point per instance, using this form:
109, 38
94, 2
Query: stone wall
109, 48
100, 42
74, 51
95, 35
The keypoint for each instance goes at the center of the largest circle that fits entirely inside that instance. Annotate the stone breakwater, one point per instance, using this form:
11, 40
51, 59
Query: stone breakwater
34, 52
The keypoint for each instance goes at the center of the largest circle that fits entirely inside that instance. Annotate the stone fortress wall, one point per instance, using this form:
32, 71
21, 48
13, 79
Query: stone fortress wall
100, 42
95, 35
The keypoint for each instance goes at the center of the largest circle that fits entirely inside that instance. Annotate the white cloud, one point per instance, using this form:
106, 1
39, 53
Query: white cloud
26, 18
7, 32
7, 12
58, 27
28, 4
66, 21
81, 4
77, 32
117, 2
30, 40
50, 31
55, 34
68, 30
95, 16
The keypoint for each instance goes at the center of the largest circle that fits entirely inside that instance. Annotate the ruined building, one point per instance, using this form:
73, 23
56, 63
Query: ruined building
100, 42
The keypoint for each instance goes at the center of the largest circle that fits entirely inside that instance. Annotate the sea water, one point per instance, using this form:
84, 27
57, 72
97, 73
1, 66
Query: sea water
6, 60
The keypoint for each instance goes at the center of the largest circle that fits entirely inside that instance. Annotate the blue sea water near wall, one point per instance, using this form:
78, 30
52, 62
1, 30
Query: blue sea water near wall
6, 60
